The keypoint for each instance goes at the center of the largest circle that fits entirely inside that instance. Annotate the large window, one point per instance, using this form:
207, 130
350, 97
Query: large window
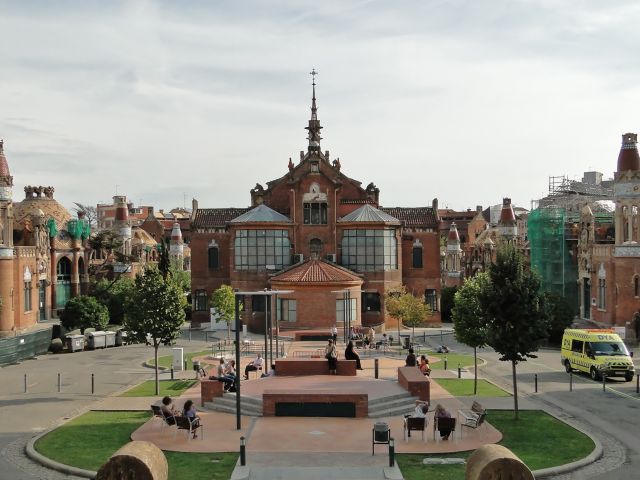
286, 310
258, 303
370, 302
340, 304
262, 250
315, 213
213, 257
602, 292
201, 301
369, 250
431, 299
27, 296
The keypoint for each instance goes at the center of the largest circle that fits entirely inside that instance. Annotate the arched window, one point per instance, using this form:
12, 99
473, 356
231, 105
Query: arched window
315, 246
417, 254
63, 284
431, 298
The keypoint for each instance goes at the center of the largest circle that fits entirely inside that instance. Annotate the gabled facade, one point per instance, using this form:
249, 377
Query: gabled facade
315, 213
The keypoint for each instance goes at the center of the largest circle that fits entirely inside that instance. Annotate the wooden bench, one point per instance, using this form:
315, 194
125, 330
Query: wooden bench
209, 389
314, 403
412, 380
312, 366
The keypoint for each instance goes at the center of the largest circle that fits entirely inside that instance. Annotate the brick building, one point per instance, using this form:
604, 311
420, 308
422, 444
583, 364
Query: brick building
609, 273
315, 231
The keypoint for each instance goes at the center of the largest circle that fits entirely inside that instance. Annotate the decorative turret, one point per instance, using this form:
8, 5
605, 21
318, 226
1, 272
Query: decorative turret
628, 158
453, 258
6, 180
176, 247
121, 224
507, 224
314, 124
6, 208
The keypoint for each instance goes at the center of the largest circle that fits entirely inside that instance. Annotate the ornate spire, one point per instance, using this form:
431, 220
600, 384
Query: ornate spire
5, 176
314, 124
628, 158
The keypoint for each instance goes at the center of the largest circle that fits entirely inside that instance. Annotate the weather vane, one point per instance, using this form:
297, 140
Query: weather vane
313, 74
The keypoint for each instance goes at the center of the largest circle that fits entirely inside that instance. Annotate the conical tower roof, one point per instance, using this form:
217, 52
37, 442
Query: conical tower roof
261, 213
317, 271
507, 216
4, 165
628, 158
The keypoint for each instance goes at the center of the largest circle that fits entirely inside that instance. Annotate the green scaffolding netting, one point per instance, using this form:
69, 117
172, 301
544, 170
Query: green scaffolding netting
551, 241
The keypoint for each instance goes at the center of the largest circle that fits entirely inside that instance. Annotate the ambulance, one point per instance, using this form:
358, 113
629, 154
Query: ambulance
596, 352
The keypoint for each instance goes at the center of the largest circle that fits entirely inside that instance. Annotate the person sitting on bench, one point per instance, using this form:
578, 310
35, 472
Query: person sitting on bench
229, 377
442, 412
169, 410
424, 366
410, 361
421, 410
219, 372
255, 364
351, 354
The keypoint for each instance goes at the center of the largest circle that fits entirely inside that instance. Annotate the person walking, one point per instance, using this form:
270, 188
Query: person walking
331, 355
334, 334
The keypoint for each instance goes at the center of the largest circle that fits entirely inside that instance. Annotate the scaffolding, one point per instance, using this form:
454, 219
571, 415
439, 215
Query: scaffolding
553, 242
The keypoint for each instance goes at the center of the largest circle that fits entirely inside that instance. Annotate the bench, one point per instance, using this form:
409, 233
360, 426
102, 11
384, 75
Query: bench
312, 366
312, 335
315, 403
412, 380
209, 389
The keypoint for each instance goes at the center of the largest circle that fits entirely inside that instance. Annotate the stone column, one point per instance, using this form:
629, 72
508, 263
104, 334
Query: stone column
75, 275
54, 279
6, 289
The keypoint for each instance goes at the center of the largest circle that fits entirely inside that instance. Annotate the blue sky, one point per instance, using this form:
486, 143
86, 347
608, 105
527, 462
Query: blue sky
466, 101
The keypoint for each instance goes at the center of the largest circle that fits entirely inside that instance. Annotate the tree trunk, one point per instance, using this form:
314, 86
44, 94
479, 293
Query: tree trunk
515, 389
155, 354
475, 370
229, 330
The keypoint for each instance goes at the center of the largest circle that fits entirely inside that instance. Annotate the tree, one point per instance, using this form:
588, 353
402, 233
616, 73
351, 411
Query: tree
90, 213
108, 244
154, 312
406, 308
84, 312
114, 296
560, 315
470, 325
515, 312
446, 302
223, 304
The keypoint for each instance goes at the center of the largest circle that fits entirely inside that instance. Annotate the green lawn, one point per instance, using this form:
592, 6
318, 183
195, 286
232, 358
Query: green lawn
172, 388
463, 387
89, 440
453, 360
165, 361
539, 439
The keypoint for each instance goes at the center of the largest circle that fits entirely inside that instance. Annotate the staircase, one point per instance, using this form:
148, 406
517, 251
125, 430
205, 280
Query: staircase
250, 406
392, 406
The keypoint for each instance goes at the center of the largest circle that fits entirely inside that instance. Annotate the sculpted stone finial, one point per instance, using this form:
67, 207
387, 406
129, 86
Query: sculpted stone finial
291, 166
48, 192
336, 164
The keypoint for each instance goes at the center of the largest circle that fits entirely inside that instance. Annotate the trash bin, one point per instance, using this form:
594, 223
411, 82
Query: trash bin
109, 339
406, 340
381, 432
121, 338
97, 340
75, 343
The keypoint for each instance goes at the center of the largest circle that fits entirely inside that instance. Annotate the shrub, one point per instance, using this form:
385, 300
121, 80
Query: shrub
56, 345
83, 312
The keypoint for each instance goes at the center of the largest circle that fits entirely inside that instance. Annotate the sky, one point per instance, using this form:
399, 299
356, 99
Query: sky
165, 101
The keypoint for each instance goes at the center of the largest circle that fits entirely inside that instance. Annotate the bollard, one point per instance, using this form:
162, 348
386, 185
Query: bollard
243, 454
375, 367
571, 381
637, 383
171, 372
535, 379
59, 385
185, 365
212, 355
25, 383
459, 372
206, 337
189, 333
604, 380
445, 363
392, 452
92, 384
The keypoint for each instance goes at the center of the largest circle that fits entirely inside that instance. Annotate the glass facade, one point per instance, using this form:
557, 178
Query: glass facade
369, 250
201, 301
315, 213
340, 310
257, 250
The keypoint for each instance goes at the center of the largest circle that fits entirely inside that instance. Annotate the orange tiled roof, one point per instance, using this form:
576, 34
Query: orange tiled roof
316, 271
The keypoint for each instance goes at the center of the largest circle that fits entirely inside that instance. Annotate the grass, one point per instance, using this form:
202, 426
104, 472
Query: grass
167, 360
453, 360
464, 387
89, 440
172, 388
539, 439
